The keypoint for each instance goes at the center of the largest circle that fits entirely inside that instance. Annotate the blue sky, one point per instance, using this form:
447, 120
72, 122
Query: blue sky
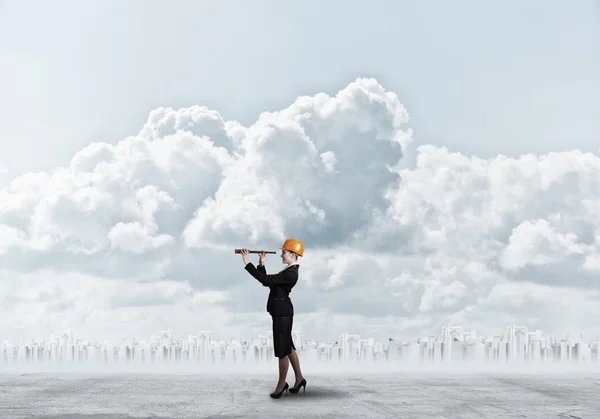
112, 219
482, 78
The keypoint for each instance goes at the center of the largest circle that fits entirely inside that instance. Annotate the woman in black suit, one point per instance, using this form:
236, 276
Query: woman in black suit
280, 307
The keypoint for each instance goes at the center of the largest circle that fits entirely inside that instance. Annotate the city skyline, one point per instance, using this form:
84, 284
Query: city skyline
454, 345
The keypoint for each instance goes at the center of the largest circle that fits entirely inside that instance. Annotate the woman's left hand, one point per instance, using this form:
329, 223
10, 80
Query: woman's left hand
245, 256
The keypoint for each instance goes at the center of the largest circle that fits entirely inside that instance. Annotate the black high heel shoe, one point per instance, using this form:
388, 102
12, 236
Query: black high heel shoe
297, 388
278, 395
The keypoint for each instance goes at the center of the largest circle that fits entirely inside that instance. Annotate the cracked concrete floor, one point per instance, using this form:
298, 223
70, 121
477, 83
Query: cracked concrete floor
392, 395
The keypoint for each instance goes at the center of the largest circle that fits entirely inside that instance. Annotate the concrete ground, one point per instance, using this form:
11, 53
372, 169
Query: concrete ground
393, 395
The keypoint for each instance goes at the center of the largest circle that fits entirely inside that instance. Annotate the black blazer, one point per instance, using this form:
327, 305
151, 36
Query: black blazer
281, 284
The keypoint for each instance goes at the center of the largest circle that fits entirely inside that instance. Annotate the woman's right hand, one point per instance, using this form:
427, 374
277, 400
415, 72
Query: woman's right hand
261, 258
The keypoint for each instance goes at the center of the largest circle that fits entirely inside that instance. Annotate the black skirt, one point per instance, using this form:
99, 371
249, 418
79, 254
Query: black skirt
282, 335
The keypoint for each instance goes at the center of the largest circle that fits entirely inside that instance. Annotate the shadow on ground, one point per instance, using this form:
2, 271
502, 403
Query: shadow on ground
314, 393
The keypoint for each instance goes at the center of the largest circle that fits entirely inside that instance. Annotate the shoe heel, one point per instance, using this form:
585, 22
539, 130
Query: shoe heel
302, 385
278, 395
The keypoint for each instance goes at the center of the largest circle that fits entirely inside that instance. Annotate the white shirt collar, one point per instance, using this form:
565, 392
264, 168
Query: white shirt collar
291, 264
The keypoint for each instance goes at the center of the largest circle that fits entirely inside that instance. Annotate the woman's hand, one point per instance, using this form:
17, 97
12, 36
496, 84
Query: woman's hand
261, 258
245, 256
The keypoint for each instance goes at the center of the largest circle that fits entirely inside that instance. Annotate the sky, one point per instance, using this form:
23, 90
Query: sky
439, 160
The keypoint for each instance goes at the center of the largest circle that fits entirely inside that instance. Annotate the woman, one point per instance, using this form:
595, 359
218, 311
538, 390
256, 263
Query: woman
280, 307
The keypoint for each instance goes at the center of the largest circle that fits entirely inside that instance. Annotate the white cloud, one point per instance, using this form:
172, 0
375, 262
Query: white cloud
138, 236
329, 161
537, 243
295, 168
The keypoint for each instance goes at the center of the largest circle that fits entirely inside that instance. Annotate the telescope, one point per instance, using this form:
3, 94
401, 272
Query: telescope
238, 251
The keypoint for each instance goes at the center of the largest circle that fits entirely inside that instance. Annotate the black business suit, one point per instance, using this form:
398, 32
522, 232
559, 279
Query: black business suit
279, 304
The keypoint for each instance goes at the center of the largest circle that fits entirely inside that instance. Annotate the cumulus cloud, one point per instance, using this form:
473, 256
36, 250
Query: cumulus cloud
296, 166
138, 236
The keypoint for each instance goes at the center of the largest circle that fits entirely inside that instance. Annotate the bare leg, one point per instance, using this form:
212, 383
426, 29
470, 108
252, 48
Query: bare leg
295, 366
284, 364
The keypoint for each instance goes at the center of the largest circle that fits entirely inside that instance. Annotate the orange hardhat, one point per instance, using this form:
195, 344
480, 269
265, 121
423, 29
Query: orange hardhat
293, 245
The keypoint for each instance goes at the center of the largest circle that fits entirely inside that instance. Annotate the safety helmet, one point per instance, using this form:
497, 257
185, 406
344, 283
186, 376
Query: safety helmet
293, 245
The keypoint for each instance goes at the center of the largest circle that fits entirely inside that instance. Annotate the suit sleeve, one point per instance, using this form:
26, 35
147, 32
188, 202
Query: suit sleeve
283, 278
262, 269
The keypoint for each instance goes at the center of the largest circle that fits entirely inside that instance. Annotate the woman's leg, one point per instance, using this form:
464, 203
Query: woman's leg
295, 361
284, 364
294, 357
